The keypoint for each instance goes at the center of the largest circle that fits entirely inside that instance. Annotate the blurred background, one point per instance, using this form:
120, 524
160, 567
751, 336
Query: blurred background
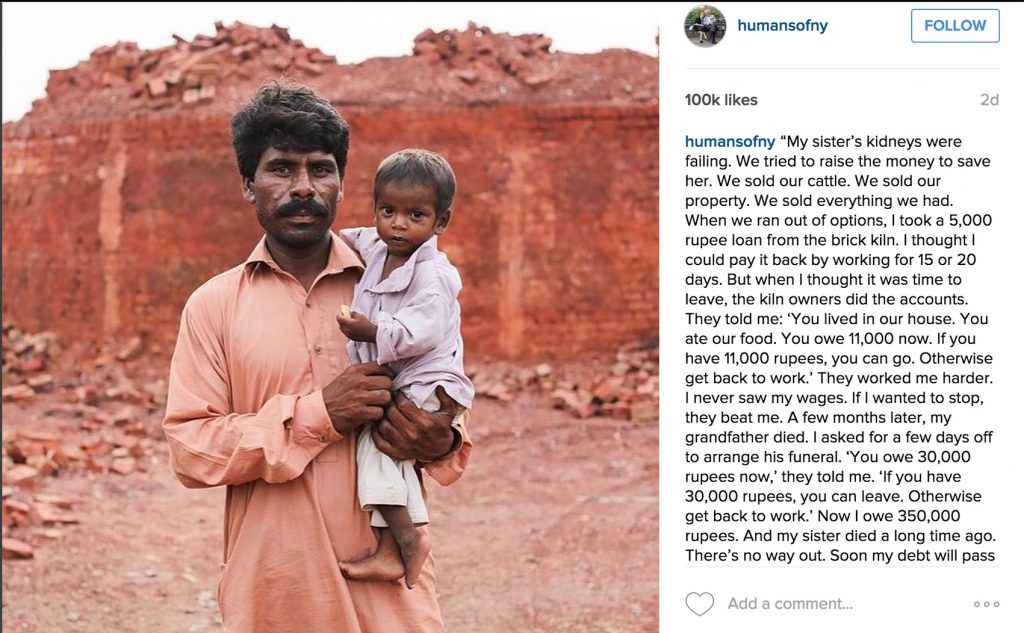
121, 196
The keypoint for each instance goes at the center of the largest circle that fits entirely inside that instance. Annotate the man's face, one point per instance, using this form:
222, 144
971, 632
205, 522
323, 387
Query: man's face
296, 195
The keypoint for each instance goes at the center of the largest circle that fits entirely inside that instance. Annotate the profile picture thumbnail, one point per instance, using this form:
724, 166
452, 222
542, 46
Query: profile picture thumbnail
705, 25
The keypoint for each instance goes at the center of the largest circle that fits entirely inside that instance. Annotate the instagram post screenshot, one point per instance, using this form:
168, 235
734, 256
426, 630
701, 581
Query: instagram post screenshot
355, 317
840, 243
330, 317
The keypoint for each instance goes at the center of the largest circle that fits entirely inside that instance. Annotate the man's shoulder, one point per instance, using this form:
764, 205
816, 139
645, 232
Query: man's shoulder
215, 289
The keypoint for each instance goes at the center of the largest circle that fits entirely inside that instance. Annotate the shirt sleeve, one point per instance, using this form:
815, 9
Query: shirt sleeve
416, 328
210, 445
449, 468
350, 237
360, 239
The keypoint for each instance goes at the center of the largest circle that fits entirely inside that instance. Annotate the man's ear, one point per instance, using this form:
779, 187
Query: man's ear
247, 190
442, 222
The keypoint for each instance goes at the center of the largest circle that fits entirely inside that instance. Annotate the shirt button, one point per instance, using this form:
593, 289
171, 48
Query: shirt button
317, 349
309, 305
323, 438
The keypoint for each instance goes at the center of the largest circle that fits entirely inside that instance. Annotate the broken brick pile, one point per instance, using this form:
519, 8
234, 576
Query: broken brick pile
508, 111
478, 51
31, 456
40, 515
107, 427
26, 355
29, 358
189, 72
212, 73
109, 407
623, 387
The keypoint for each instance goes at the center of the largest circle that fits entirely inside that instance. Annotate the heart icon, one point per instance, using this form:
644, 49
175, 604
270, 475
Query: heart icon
699, 603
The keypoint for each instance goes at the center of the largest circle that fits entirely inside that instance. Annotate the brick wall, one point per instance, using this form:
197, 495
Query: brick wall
108, 226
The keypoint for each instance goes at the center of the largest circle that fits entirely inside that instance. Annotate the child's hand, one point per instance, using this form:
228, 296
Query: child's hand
356, 326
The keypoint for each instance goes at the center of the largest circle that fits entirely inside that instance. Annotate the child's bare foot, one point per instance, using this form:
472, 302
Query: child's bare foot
414, 544
384, 564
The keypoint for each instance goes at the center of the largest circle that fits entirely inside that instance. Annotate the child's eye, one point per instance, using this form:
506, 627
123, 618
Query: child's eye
418, 215
385, 210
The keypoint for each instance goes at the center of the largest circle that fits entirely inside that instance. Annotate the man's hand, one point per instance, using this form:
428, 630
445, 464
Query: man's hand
408, 432
358, 395
357, 327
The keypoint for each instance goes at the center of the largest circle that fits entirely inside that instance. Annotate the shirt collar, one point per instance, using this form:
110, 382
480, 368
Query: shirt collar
340, 258
400, 279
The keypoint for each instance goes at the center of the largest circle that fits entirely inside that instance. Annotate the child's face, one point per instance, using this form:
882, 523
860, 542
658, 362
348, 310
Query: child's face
406, 217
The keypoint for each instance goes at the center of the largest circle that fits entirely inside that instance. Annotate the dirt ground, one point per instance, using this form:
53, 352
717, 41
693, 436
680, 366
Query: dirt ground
554, 528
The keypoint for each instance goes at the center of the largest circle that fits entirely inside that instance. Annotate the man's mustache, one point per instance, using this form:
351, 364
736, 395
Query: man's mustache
301, 207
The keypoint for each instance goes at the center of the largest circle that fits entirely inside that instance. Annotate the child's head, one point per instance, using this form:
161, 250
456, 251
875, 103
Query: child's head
412, 199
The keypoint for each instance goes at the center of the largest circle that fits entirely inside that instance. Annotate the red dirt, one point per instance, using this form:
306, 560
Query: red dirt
553, 528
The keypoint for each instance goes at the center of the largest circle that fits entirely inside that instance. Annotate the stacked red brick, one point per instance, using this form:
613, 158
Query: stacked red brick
555, 232
188, 72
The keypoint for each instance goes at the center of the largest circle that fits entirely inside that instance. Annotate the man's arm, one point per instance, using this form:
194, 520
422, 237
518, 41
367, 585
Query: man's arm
448, 468
211, 446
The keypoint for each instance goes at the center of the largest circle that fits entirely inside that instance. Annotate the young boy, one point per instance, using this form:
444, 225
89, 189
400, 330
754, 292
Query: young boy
405, 312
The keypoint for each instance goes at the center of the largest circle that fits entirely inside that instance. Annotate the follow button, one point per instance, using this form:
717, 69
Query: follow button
962, 26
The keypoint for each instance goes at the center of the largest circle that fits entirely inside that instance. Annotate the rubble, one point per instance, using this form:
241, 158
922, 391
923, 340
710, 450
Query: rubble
20, 476
189, 72
623, 387
18, 392
13, 548
472, 66
478, 50
44, 514
24, 357
123, 465
103, 415
34, 456
131, 350
25, 353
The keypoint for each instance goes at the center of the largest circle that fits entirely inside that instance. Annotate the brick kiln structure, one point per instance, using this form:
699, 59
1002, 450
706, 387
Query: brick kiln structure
121, 195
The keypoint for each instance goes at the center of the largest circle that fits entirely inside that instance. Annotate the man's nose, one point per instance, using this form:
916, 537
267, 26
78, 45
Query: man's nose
302, 186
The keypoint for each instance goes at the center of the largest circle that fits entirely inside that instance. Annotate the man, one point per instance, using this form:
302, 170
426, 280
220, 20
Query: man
262, 398
706, 23
711, 24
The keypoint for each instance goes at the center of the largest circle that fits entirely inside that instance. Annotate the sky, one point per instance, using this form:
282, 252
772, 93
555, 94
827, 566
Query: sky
38, 37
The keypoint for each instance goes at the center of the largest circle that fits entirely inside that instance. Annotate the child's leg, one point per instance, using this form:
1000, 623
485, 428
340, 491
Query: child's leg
384, 487
404, 520
379, 479
384, 564
402, 551
413, 543
380, 482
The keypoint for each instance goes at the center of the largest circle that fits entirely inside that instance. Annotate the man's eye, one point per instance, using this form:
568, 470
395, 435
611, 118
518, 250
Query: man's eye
281, 170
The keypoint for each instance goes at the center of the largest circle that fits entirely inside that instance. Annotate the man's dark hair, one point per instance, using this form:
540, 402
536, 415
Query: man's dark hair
419, 167
287, 117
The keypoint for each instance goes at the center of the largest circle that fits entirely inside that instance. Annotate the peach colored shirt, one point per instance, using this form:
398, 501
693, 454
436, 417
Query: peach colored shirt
245, 409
